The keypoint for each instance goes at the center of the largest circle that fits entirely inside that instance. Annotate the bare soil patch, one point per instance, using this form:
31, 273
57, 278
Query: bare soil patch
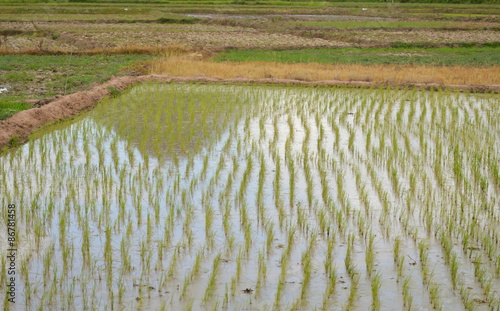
80, 36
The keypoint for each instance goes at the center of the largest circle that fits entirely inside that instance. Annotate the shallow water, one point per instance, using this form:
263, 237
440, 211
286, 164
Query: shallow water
115, 207
4, 88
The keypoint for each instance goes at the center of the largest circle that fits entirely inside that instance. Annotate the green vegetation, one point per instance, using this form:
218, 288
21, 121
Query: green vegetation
10, 107
203, 196
249, 2
152, 9
445, 56
39, 76
154, 195
385, 24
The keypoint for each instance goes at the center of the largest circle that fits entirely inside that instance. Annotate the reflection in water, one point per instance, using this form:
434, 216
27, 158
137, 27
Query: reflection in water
168, 120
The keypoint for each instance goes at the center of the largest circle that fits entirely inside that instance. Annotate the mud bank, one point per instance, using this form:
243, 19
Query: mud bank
17, 129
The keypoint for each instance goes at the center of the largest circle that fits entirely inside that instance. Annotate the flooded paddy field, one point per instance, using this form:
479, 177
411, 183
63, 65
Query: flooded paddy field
210, 197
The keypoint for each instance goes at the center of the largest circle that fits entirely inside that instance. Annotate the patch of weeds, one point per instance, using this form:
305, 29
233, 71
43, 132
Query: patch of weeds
113, 92
17, 76
14, 142
8, 109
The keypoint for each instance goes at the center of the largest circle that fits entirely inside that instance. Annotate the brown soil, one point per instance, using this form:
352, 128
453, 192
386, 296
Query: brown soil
83, 36
17, 128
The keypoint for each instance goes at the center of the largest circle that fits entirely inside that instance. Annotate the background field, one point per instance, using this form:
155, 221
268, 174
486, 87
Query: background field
337, 33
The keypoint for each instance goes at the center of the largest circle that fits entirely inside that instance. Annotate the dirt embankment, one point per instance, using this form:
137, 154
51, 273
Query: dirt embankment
17, 129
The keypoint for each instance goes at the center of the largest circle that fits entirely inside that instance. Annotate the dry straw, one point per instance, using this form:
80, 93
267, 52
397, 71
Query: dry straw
189, 66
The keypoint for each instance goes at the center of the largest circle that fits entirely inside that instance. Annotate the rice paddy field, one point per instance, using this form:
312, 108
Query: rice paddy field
253, 197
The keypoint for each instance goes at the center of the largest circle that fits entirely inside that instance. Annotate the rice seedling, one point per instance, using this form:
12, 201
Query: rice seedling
407, 296
261, 274
211, 281
273, 178
370, 255
353, 291
376, 284
434, 295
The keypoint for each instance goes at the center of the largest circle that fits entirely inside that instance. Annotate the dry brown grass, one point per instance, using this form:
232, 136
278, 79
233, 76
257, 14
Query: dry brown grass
192, 66
171, 50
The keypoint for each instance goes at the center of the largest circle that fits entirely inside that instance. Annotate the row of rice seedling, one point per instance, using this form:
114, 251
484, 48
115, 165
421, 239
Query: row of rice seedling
267, 197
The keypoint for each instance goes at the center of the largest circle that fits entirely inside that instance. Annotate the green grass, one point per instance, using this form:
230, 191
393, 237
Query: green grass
446, 56
256, 2
36, 77
7, 109
382, 24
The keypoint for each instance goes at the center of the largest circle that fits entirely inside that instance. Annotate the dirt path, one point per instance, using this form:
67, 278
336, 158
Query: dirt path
17, 129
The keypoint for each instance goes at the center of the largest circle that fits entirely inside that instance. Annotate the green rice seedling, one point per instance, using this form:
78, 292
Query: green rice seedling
350, 143
291, 130
209, 216
370, 255
407, 296
152, 199
211, 281
301, 217
434, 295
290, 239
297, 304
329, 256
126, 261
269, 237
62, 228
66, 253
278, 292
341, 221
233, 285
291, 169
422, 250
260, 188
348, 257
187, 281
248, 237
324, 222
309, 180
376, 284
454, 270
225, 221
397, 248
330, 288
306, 263
173, 262
239, 264
353, 290
465, 294
261, 274
197, 265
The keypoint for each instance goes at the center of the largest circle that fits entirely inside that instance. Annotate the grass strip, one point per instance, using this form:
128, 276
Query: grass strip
38, 76
444, 56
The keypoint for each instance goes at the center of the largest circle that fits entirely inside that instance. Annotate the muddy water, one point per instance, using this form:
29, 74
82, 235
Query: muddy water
267, 188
